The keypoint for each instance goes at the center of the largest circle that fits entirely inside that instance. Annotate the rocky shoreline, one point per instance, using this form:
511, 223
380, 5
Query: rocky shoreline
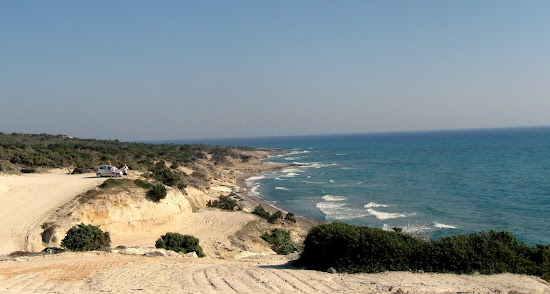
256, 169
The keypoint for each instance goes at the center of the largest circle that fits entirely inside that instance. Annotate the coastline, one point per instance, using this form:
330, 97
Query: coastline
257, 168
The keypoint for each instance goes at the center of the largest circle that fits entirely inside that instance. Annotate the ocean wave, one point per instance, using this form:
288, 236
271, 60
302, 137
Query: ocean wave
334, 198
346, 168
308, 182
297, 152
255, 178
444, 226
291, 158
373, 204
409, 229
281, 188
314, 164
339, 211
340, 154
254, 191
290, 175
292, 170
331, 181
384, 215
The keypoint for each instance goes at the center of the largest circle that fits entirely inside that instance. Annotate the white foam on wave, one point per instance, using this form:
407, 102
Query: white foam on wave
340, 154
281, 188
444, 226
332, 181
296, 152
254, 191
255, 178
308, 182
314, 164
334, 198
290, 175
346, 168
337, 210
410, 229
384, 215
373, 204
292, 170
291, 158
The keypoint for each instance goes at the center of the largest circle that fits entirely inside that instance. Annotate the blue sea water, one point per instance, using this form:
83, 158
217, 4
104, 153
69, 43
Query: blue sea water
447, 182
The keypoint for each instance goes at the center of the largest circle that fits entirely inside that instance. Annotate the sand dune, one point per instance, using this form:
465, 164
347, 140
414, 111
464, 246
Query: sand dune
107, 272
25, 201
243, 267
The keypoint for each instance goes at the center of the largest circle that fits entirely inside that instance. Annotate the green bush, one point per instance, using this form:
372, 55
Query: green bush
109, 183
180, 243
261, 212
157, 192
281, 242
271, 218
275, 217
290, 217
363, 249
164, 175
223, 202
143, 184
85, 238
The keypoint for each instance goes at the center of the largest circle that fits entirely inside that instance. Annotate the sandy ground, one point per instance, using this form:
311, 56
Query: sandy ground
115, 273
25, 201
212, 227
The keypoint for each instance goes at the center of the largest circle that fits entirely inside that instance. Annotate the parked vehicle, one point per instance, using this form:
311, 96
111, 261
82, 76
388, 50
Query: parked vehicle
53, 250
107, 171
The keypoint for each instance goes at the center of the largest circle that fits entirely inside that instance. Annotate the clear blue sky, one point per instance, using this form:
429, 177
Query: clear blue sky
153, 70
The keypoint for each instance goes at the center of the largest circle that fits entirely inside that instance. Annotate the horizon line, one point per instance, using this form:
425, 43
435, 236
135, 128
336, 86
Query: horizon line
351, 133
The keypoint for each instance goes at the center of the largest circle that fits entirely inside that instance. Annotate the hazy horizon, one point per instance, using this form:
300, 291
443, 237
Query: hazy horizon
173, 70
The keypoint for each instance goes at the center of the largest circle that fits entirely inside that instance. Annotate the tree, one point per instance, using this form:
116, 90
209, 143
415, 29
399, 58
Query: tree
180, 243
86, 238
157, 192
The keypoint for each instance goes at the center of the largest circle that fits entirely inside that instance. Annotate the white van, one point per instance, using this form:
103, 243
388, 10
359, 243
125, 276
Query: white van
106, 170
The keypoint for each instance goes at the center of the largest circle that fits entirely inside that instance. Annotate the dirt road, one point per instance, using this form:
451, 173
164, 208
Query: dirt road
26, 199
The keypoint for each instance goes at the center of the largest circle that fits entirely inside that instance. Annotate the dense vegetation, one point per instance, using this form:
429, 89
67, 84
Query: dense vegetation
85, 238
273, 218
157, 192
180, 243
223, 202
281, 242
30, 152
362, 249
143, 184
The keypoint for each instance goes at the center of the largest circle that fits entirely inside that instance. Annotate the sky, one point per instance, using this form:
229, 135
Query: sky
162, 70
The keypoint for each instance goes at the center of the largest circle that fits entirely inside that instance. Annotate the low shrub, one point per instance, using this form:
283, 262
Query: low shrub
362, 249
223, 202
261, 212
290, 217
180, 243
281, 242
143, 184
272, 218
110, 183
85, 238
275, 217
164, 175
157, 192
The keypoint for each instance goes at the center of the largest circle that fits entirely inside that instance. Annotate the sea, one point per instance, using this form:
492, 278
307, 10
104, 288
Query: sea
431, 183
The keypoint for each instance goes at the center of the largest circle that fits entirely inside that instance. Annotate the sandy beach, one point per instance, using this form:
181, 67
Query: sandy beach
237, 261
